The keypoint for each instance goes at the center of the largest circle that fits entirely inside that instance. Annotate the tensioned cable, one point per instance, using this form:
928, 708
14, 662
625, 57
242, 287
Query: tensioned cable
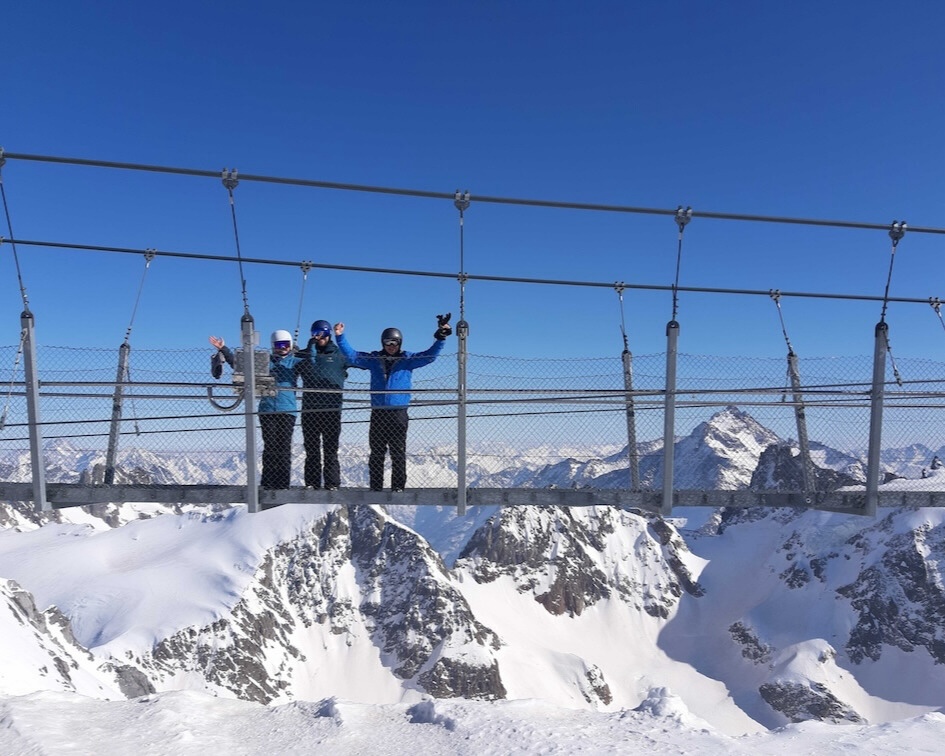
896, 231
479, 198
776, 296
16, 364
474, 277
461, 201
623, 326
148, 257
937, 306
16, 258
230, 181
306, 267
682, 218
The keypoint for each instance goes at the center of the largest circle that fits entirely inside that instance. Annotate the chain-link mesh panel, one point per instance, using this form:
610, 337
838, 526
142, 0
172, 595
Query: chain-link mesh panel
529, 423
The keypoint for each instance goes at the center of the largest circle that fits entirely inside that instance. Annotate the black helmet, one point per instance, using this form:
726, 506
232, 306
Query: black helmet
320, 327
392, 334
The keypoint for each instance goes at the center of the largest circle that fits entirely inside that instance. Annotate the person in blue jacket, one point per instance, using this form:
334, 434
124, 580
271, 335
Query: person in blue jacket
276, 413
323, 370
391, 371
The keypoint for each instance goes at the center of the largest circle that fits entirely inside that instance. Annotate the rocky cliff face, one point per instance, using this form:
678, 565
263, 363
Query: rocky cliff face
569, 559
899, 597
357, 575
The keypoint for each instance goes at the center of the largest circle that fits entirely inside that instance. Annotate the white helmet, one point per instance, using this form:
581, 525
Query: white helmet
280, 336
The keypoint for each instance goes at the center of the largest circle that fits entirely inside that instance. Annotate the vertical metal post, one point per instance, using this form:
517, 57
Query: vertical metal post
807, 464
37, 460
249, 409
669, 417
462, 331
112, 453
876, 418
632, 450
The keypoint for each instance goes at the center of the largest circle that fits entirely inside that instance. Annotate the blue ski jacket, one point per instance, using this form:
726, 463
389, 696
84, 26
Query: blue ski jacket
285, 371
322, 368
389, 373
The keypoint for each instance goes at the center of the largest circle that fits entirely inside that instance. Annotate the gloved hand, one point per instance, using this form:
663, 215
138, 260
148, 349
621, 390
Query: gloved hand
444, 328
307, 350
216, 364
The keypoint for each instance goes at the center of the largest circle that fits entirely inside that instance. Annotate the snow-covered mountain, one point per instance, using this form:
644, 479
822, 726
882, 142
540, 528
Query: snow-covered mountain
754, 618
751, 618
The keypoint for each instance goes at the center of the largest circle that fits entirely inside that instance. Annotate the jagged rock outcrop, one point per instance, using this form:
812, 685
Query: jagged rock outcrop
354, 572
899, 599
780, 469
47, 656
567, 558
802, 701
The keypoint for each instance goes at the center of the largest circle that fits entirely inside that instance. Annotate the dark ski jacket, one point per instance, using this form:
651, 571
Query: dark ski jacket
322, 368
389, 373
285, 371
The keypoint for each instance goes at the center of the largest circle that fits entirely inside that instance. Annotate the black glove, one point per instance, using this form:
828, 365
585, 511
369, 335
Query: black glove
444, 329
216, 364
307, 350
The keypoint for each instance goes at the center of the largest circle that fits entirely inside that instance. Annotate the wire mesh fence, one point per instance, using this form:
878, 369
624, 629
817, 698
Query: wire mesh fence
523, 423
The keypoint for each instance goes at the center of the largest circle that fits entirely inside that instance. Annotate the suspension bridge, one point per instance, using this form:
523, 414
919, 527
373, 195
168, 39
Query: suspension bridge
466, 405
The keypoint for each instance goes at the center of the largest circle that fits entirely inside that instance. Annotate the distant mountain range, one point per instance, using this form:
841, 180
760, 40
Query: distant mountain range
722, 453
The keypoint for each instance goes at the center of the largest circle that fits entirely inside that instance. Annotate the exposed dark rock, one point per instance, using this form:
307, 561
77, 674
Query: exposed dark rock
449, 678
801, 702
753, 648
900, 601
780, 469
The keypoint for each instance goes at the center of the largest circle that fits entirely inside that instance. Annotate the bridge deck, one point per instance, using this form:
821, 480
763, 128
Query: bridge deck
62, 495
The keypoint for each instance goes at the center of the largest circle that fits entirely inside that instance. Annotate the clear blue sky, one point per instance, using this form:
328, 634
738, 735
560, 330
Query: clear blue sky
809, 109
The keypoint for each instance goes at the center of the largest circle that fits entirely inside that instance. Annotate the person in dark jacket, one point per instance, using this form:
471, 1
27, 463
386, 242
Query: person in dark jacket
323, 370
391, 371
276, 413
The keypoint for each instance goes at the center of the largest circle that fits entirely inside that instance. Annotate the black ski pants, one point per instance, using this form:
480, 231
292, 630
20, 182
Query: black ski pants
388, 432
277, 429
321, 432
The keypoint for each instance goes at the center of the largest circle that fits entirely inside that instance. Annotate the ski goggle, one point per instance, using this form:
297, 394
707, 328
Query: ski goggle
323, 333
390, 342
281, 344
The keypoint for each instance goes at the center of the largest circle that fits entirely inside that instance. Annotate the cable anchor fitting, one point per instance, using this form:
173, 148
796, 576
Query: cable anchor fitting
936, 304
775, 294
896, 231
306, 266
149, 254
461, 200
3, 160
683, 217
230, 179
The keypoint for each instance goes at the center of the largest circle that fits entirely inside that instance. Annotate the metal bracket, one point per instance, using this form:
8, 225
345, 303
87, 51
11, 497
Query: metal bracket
683, 217
230, 179
896, 231
461, 200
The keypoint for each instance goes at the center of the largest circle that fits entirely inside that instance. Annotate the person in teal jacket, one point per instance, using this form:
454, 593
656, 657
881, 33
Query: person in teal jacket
323, 370
276, 413
391, 371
